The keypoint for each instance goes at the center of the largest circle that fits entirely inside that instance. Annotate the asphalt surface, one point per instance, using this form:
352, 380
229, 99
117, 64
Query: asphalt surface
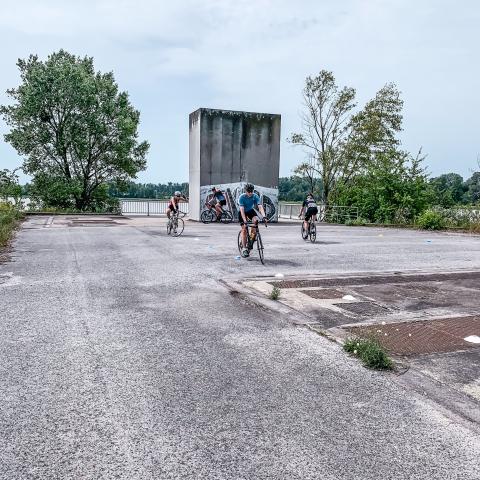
121, 356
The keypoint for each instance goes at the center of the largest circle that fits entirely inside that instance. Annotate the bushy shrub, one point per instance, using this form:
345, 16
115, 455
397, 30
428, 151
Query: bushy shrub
9, 216
431, 220
356, 221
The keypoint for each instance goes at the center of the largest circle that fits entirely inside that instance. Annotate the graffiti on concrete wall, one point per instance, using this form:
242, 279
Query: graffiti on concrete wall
268, 198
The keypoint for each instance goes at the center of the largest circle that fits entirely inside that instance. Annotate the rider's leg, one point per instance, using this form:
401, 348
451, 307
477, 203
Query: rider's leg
244, 236
254, 228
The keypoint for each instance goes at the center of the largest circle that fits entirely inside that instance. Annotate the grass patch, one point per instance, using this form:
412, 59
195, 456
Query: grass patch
356, 222
370, 352
9, 218
275, 293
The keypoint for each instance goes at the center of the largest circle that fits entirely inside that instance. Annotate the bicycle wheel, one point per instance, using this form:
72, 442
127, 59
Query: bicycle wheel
303, 232
226, 217
260, 248
313, 232
206, 216
178, 227
239, 242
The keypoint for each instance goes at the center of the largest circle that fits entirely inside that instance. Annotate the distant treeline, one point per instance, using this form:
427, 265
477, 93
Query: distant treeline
445, 190
147, 190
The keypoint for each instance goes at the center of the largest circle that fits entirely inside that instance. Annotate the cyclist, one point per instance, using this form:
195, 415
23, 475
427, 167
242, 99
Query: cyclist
173, 203
248, 202
219, 201
309, 207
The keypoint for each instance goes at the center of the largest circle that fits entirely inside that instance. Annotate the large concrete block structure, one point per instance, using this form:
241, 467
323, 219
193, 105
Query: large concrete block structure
229, 149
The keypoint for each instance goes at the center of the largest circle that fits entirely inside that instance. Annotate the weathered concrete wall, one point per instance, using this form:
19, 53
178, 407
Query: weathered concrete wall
194, 166
228, 147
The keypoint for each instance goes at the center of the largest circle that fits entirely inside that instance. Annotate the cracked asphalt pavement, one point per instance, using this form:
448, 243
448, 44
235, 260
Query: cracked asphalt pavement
123, 357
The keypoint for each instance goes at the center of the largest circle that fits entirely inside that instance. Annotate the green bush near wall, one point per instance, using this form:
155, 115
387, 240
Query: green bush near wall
9, 218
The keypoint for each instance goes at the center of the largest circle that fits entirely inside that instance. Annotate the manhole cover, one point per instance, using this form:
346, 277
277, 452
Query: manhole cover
324, 293
368, 309
432, 336
377, 280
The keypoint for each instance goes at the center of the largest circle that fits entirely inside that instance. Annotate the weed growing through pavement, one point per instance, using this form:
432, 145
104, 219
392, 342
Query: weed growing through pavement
369, 350
275, 293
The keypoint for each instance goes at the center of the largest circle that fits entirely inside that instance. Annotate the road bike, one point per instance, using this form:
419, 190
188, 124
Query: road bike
257, 238
210, 215
175, 224
312, 230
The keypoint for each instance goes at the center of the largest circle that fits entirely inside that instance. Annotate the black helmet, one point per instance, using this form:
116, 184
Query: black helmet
214, 188
249, 187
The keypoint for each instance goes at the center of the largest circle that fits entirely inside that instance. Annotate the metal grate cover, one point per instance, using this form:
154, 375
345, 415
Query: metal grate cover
424, 337
368, 309
324, 293
376, 280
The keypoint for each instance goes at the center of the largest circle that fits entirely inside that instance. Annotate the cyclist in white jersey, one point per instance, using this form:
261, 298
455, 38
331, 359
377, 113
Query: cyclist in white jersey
309, 207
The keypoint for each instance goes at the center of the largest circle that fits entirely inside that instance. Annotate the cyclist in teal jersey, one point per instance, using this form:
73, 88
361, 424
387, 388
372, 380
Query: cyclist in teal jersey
248, 203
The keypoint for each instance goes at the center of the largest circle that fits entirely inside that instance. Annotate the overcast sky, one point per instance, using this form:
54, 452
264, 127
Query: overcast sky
254, 55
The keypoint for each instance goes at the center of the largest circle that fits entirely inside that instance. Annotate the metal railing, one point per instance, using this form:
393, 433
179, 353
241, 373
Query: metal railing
330, 214
145, 206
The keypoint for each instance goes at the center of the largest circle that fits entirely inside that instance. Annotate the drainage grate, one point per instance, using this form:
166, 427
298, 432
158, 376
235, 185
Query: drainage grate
424, 337
85, 222
324, 293
368, 309
376, 280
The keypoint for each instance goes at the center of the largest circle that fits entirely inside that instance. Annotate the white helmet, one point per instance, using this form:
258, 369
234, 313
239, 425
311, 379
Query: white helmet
178, 194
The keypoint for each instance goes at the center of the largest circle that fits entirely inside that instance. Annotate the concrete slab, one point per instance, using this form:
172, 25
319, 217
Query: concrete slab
122, 352
423, 319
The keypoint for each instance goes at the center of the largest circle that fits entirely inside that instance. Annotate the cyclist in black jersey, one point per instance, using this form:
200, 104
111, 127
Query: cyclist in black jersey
309, 207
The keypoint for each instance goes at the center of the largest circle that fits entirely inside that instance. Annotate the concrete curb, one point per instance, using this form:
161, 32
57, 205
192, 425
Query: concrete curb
454, 405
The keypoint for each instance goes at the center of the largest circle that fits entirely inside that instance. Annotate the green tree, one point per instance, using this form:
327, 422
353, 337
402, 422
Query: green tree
393, 188
373, 134
341, 143
447, 189
294, 189
10, 189
75, 128
472, 189
326, 126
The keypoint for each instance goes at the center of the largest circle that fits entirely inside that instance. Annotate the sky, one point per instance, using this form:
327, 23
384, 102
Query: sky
254, 55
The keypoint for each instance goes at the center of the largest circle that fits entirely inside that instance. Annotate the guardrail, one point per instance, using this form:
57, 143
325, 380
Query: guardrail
145, 206
330, 213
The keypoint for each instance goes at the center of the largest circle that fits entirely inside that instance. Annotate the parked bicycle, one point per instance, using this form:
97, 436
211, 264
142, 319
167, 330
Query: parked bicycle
253, 236
175, 224
311, 230
210, 215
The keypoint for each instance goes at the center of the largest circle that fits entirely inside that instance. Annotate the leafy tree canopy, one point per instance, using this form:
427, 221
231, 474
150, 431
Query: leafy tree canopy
10, 189
74, 127
340, 144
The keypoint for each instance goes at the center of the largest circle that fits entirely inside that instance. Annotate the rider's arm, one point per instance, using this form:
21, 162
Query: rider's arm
262, 211
242, 213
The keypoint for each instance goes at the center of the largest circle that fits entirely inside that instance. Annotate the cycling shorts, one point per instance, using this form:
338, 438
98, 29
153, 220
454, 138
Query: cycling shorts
250, 214
310, 212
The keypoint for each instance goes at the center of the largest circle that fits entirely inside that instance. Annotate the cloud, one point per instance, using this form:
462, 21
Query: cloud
174, 57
